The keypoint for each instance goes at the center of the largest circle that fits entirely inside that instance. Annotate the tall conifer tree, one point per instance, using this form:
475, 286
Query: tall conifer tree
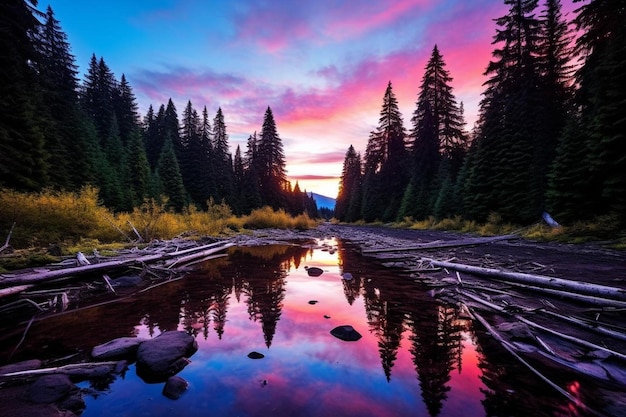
348, 185
222, 164
504, 177
22, 155
386, 168
270, 160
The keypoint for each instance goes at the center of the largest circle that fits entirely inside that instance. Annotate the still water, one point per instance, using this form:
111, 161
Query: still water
417, 356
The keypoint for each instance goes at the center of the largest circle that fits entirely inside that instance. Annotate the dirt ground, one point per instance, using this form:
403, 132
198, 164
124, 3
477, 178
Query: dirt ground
585, 262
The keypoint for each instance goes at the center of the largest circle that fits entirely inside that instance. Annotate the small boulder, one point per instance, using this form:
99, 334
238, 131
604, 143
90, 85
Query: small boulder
346, 333
50, 388
123, 347
256, 355
165, 355
314, 271
20, 366
313, 302
175, 387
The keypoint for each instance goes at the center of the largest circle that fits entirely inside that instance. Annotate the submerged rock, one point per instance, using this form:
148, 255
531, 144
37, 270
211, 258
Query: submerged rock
314, 271
256, 355
346, 333
50, 388
123, 347
175, 387
165, 355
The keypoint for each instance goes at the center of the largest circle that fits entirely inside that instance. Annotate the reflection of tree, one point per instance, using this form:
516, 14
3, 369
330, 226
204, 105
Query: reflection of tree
260, 273
265, 298
512, 390
349, 262
435, 348
387, 323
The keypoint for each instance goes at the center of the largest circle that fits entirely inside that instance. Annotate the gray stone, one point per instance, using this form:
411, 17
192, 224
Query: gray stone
123, 347
50, 388
20, 366
314, 271
256, 355
346, 333
163, 356
175, 387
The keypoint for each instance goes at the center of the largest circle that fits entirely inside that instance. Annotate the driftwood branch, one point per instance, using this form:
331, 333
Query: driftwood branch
539, 280
511, 349
66, 369
136, 232
447, 244
545, 329
6, 243
43, 276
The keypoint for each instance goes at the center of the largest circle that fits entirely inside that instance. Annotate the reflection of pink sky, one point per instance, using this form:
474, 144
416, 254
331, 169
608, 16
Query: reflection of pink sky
304, 361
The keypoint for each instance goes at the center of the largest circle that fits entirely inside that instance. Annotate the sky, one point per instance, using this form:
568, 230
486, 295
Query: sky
321, 65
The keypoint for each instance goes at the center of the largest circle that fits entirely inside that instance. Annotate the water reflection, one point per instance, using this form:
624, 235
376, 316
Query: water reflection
418, 356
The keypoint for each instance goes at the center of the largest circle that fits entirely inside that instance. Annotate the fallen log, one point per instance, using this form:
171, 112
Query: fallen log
439, 244
578, 287
4, 292
48, 275
65, 369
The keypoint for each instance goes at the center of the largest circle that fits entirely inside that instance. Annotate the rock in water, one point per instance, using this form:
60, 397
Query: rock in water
175, 387
256, 355
346, 333
314, 271
165, 355
50, 388
122, 347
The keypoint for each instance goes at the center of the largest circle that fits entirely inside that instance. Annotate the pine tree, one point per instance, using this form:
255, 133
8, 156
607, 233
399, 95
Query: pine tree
270, 160
602, 101
557, 71
348, 184
22, 154
139, 176
238, 182
65, 145
97, 94
170, 179
191, 157
504, 177
386, 170
126, 109
222, 161
251, 186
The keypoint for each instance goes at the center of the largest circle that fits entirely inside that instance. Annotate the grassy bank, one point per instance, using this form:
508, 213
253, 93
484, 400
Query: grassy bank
69, 222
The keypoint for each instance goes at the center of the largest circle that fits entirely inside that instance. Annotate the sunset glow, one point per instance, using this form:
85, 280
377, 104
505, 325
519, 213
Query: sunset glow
321, 66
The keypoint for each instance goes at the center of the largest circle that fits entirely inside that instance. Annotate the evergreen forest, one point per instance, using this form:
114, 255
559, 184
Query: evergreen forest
550, 136
61, 133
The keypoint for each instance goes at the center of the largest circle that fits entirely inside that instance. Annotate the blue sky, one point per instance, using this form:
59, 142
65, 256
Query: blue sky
321, 65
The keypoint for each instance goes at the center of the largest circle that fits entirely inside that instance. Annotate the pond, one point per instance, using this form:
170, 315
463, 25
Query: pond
417, 356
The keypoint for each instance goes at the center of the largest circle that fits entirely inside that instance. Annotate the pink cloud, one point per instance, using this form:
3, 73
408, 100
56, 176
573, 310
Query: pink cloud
313, 177
275, 26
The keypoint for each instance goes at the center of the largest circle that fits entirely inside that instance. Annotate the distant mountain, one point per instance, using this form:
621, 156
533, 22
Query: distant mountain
323, 201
